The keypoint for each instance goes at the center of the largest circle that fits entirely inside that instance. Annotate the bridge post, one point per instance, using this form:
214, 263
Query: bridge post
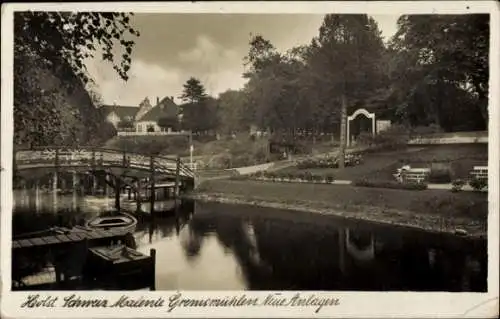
93, 177
138, 195
152, 185
117, 192
177, 177
124, 161
106, 186
75, 189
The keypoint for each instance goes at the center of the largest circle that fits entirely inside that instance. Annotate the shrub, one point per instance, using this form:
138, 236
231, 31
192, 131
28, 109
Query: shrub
125, 124
272, 175
260, 156
457, 185
300, 175
308, 176
318, 178
478, 183
394, 137
390, 184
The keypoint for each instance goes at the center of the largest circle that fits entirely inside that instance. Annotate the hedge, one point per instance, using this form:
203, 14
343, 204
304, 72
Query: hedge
390, 184
330, 162
302, 176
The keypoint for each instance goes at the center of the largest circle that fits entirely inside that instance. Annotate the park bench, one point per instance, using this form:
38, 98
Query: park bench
480, 172
415, 175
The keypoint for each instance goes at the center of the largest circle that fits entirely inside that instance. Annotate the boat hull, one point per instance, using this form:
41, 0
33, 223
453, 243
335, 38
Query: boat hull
122, 221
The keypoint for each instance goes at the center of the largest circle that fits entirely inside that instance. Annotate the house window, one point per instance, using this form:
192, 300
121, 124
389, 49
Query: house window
151, 128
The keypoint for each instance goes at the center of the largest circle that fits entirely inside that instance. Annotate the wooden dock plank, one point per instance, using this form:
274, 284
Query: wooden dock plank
25, 243
74, 237
63, 238
50, 240
15, 244
37, 241
93, 235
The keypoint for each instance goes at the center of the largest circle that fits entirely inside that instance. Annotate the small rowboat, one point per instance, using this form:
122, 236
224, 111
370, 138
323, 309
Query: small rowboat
120, 221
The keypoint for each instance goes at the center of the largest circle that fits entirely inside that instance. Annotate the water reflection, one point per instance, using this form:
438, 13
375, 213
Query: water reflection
222, 247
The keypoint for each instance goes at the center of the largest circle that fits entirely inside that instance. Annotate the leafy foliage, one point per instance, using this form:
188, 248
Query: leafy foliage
478, 183
200, 116
193, 91
166, 122
232, 111
51, 105
125, 124
440, 69
433, 72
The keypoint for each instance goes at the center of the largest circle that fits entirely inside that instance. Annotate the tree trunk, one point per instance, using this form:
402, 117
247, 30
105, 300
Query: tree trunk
483, 101
343, 127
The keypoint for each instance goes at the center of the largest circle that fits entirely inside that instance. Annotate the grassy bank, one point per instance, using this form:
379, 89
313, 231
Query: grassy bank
456, 160
434, 210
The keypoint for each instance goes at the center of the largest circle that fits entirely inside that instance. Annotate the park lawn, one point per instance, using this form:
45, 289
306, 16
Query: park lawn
441, 202
382, 165
373, 163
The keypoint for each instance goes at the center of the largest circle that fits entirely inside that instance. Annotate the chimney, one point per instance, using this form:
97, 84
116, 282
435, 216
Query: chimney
157, 100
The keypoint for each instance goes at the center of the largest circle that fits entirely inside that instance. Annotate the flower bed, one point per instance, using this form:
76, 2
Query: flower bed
390, 184
292, 177
329, 162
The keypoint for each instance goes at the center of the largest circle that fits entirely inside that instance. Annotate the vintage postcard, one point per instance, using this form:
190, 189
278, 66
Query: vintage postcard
250, 159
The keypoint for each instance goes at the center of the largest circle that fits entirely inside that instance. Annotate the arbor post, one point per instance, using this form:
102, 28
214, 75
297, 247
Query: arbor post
343, 120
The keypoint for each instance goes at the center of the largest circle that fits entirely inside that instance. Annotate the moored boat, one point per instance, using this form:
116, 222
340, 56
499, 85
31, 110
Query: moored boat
122, 221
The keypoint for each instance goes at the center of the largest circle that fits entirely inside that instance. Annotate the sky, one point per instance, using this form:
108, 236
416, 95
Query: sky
211, 47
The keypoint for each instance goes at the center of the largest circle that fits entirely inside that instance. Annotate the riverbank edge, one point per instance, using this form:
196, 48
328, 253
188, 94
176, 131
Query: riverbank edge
430, 223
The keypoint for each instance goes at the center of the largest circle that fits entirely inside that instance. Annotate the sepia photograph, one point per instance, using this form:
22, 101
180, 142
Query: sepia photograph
232, 151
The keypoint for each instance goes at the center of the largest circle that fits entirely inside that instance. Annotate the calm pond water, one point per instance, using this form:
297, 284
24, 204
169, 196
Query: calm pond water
212, 246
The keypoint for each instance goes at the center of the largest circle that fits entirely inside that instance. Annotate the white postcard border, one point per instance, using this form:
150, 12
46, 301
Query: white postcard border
352, 304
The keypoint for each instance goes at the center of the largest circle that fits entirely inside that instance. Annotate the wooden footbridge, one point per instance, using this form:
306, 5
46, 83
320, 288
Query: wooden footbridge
119, 169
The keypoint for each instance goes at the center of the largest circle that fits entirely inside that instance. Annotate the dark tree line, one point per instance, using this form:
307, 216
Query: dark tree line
434, 71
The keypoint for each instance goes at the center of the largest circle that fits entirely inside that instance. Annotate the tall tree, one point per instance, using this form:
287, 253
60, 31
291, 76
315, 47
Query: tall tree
273, 87
232, 111
345, 63
200, 117
193, 91
438, 53
51, 104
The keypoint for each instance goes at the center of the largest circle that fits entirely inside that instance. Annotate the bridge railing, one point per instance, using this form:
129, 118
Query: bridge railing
95, 157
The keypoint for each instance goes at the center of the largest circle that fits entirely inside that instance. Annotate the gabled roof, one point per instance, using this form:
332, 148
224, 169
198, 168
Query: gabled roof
120, 110
166, 108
